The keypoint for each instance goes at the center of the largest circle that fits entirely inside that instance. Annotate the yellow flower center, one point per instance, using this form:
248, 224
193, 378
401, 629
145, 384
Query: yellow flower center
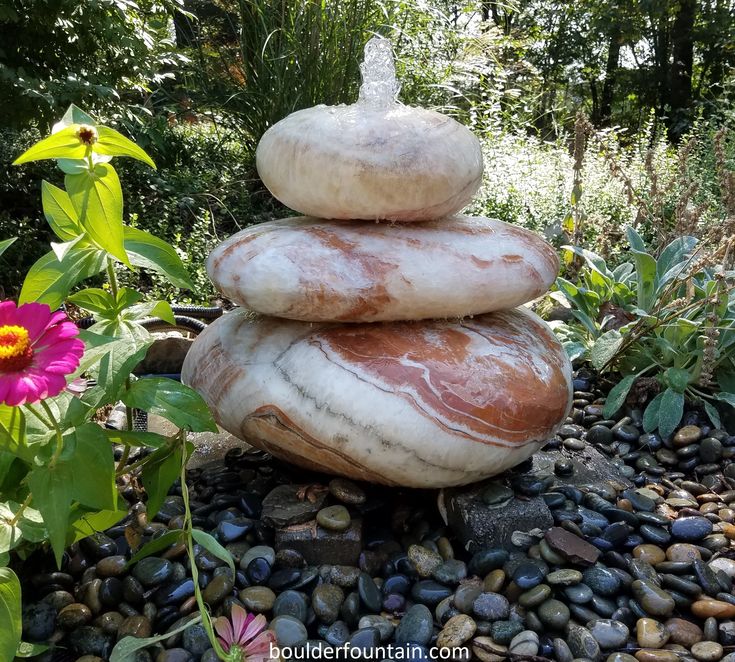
15, 348
87, 134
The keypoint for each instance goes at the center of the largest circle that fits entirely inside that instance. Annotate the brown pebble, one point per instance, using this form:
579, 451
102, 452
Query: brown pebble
494, 581
683, 632
707, 651
656, 655
134, 626
188, 605
708, 607
625, 504
109, 622
650, 633
74, 615
457, 631
112, 566
649, 553
726, 514
683, 552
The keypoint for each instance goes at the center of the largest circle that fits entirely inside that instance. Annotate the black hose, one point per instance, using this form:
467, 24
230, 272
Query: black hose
189, 323
201, 312
184, 316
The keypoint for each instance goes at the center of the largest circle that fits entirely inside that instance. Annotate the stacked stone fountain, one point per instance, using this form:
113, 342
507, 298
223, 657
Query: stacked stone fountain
387, 345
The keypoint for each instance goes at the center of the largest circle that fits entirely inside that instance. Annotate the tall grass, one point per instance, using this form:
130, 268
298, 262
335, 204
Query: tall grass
297, 53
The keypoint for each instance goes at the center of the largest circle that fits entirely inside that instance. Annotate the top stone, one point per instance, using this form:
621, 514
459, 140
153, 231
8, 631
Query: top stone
373, 160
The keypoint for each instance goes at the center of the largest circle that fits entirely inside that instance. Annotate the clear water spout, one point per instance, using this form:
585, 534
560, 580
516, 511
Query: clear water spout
379, 87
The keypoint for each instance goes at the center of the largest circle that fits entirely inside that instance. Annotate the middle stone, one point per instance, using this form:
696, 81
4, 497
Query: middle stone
317, 270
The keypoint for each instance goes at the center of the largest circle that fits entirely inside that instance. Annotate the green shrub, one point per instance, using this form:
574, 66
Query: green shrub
205, 189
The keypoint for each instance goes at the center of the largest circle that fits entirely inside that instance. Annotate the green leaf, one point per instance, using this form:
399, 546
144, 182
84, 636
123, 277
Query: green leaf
97, 199
156, 545
159, 474
94, 478
670, 412
650, 416
52, 495
714, 415
159, 309
96, 347
674, 258
605, 348
10, 534
149, 252
49, 280
677, 379
177, 403
127, 297
62, 249
29, 526
635, 240
594, 261
27, 649
125, 648
723, 396
213, 547
646, 283
73, 115
94, 300
618, 394
129, 348
136, 438
113, 143
60, 212
11, 626
101, 520
5, 244
13, 431
61, 145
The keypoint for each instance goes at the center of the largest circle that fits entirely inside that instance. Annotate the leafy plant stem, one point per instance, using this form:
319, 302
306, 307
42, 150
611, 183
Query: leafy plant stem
23, 506
206, 619
112, 277
129, 420
127, 470
39, 415
59, 437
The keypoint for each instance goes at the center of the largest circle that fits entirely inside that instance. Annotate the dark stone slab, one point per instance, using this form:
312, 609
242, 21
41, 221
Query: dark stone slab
286, 505
571, 547
480, 525
319, 546
590, 467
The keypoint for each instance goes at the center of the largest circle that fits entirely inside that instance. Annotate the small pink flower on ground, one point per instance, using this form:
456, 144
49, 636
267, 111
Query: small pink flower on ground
246, 634
38, 349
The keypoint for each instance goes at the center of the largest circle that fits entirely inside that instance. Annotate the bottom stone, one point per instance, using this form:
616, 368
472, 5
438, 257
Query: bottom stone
419, 404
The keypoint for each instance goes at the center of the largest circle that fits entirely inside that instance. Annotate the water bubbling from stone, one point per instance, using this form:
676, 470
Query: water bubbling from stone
379, 87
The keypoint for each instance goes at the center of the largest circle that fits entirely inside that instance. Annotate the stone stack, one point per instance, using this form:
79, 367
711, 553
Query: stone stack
390, 351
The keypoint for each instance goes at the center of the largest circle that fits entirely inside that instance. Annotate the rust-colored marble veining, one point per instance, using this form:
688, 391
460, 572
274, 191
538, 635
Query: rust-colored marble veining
421, 404
316, 270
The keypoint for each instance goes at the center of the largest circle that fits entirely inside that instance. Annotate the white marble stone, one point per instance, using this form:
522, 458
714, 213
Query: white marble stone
340, 271
356, 162
420, 404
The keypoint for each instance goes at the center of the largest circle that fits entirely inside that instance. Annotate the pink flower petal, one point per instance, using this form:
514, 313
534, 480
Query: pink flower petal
35, 318
20, 392
7, 312
253, 629
6, 383
240, 621
261, 643
224, 629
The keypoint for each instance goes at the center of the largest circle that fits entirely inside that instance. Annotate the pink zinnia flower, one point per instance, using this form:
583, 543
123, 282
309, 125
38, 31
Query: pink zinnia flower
37, 349
246, 634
